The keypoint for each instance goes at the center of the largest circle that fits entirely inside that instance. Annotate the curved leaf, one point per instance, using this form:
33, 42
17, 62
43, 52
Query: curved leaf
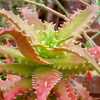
63, 91
24, 45
81, 91
44, 81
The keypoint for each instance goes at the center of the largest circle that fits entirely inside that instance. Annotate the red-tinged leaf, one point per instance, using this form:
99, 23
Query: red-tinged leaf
71, 92
64, 91
89, 76
11, 95
24, 45
60, 92
81, 91
27, 14
1, 95
44, 82
10, 82
95, 52
31, 17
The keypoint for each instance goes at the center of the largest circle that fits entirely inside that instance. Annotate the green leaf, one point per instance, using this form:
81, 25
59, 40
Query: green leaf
25, 83
77, 24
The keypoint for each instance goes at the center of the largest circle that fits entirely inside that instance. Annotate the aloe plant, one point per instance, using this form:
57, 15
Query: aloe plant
44, 61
